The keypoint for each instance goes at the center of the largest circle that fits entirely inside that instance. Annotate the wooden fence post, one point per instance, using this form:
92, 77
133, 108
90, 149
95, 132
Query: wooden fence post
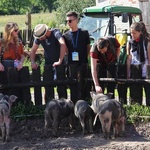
61, 75
48, 76
136, 91
73, 74
13, 76
36, 77
25, 78
86, 86
3, 80
147, 86
111, 73
122, 87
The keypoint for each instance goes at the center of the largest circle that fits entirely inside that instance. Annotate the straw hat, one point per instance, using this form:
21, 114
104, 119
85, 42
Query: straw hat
40, 30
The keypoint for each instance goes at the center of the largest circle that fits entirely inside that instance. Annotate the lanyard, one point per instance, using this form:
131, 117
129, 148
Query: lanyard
76, 39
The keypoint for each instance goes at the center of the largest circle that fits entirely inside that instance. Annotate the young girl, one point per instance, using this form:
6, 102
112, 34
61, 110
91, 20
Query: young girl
138, 51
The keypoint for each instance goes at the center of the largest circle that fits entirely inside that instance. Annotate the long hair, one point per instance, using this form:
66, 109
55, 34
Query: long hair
7, 35
140, 27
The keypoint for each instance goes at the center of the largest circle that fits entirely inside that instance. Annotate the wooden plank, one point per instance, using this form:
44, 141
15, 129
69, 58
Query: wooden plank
73, 88
48, 77
136, 91
13, 78
61, 75
36, 77
25, 78
122, 88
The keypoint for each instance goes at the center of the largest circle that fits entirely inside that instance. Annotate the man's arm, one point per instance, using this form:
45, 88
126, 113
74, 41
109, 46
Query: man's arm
94, 75
129, 58
32, 56
88, 48
148, 52
63, 51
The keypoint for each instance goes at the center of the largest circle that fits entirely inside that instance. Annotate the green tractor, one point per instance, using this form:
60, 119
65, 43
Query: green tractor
110, 20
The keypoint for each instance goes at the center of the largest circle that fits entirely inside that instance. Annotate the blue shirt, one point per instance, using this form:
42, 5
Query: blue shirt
51, 46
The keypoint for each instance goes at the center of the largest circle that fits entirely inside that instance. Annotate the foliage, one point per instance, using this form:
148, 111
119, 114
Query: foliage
137, 112
20, 111
36, 6
63, 6
21, 7
14, 6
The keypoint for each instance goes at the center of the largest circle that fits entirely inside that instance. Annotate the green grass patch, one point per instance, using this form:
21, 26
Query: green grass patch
21, 19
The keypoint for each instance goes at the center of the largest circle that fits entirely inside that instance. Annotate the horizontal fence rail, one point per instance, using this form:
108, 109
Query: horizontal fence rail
77, 79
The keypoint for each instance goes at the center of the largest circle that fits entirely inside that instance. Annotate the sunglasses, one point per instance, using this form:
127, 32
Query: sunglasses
70, 20
16, 30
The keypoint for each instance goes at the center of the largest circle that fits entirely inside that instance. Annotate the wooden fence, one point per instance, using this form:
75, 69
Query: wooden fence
77, 79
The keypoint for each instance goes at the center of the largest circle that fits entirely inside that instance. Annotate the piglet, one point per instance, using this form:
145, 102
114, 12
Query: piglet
84, 112
5, 108
55, 111
98, 99
111, 112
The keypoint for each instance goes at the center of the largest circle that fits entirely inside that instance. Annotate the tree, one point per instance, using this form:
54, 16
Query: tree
14, 6
63, 6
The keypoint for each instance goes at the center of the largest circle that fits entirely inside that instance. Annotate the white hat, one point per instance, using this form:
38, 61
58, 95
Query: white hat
40, 30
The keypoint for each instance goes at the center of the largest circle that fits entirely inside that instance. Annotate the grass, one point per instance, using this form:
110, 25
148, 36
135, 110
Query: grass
21, 19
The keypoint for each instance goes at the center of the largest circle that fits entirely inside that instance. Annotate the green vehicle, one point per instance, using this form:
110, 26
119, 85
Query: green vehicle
110, 21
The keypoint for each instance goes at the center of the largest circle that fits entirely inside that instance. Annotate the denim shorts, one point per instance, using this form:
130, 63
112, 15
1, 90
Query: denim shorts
8, 63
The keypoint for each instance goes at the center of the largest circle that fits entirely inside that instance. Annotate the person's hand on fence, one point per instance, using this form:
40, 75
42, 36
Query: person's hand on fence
19, 67
98, 89
34, 65
1, 67
56, 63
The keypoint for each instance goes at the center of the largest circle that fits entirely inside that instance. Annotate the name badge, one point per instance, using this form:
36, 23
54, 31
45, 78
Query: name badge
75, 56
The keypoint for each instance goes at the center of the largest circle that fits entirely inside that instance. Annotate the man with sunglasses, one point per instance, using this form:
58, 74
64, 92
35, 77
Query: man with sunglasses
78, 44
77, 41
104, 51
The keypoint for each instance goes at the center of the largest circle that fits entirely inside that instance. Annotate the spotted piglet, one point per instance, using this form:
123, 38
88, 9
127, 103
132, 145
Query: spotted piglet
110, 112
55, 111
84, 112
5, 108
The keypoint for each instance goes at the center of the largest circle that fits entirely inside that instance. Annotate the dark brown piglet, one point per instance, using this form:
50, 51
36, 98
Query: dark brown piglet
55, 111
84, 112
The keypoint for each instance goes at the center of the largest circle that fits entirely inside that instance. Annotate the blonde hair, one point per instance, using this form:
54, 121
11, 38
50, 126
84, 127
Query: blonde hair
7, 35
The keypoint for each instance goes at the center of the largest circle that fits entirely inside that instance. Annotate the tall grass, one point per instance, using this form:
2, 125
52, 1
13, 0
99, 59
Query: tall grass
46, 18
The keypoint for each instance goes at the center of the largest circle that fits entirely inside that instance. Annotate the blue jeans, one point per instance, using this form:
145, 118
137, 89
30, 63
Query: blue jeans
8, 63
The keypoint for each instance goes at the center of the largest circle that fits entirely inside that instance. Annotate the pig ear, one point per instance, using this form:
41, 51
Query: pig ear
92, 93
1, 95
12, 98
109, 95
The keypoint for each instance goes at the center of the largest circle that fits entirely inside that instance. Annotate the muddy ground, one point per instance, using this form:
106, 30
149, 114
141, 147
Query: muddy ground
28, 135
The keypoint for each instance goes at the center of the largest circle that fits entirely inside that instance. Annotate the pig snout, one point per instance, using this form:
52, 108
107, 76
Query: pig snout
55, 111
84, 113
106, 120
5, 108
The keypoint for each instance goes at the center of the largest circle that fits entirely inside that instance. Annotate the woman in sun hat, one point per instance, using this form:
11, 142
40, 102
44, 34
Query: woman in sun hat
11, 48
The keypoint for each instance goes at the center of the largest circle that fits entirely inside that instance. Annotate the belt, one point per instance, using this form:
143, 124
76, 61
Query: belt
8, 60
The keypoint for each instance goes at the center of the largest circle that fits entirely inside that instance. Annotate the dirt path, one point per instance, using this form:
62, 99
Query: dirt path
28, 135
